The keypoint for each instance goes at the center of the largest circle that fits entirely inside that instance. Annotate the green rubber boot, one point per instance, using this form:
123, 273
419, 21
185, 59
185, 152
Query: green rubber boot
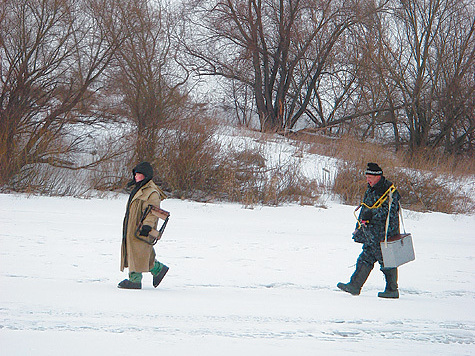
357, 280
159, 270
134, 281
391, 291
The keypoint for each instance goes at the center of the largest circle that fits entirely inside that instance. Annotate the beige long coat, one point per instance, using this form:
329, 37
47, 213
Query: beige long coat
137, 255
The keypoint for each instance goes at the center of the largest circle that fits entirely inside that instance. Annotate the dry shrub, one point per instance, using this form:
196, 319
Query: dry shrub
94, 168
426, 192
349, 184
419, 191
286, 184
245, 174
350, 149
427, 180
188, 162
251, 181
457, 166
111, 175
44, 179
194, 164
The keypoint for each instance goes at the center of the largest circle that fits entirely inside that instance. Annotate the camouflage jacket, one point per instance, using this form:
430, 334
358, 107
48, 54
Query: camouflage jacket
375, 229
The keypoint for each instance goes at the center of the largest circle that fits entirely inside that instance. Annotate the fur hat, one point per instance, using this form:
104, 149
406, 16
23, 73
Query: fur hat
373, 169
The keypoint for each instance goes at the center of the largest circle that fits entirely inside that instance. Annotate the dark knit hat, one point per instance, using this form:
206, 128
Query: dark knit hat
145, 168
373, 169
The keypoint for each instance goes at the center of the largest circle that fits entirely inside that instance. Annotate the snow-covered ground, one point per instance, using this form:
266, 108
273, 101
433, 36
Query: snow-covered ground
241, 282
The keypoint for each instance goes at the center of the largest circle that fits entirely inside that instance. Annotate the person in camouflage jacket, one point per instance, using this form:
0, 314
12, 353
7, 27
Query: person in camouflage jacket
371, 230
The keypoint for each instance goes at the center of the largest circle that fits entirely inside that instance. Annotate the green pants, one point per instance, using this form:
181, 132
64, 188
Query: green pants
136, 277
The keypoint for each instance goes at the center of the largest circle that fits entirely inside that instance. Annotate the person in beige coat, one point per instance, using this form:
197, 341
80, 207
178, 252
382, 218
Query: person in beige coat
136, 254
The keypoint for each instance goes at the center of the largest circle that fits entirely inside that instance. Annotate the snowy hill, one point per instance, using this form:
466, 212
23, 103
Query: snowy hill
241, 281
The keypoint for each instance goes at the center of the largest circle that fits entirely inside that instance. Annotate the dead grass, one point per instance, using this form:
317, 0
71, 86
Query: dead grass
192, 163
427, 180
351, 149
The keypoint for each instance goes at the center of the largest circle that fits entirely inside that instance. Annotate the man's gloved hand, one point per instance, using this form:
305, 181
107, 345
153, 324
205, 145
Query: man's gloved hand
365, 217
145, 230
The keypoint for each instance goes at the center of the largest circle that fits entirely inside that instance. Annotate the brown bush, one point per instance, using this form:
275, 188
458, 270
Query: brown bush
194, 164
426, 192
187, 160
419, 191
427, 180
349, 184
286, 184
350, 149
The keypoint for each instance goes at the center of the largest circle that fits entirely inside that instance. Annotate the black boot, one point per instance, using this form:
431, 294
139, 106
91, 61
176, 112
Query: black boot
391, 290
127, 284
357, 280
158, 278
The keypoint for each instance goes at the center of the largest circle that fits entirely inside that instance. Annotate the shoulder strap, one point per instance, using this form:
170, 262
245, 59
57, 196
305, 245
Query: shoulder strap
387, 219
402, 221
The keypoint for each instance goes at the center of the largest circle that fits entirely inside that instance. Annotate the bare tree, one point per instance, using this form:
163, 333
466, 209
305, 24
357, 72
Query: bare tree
283, 50
376, 101
454, 112
147, 77
425, 58
51, 56
416, 73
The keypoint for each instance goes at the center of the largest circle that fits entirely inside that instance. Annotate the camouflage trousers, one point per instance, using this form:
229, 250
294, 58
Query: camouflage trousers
371, 254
